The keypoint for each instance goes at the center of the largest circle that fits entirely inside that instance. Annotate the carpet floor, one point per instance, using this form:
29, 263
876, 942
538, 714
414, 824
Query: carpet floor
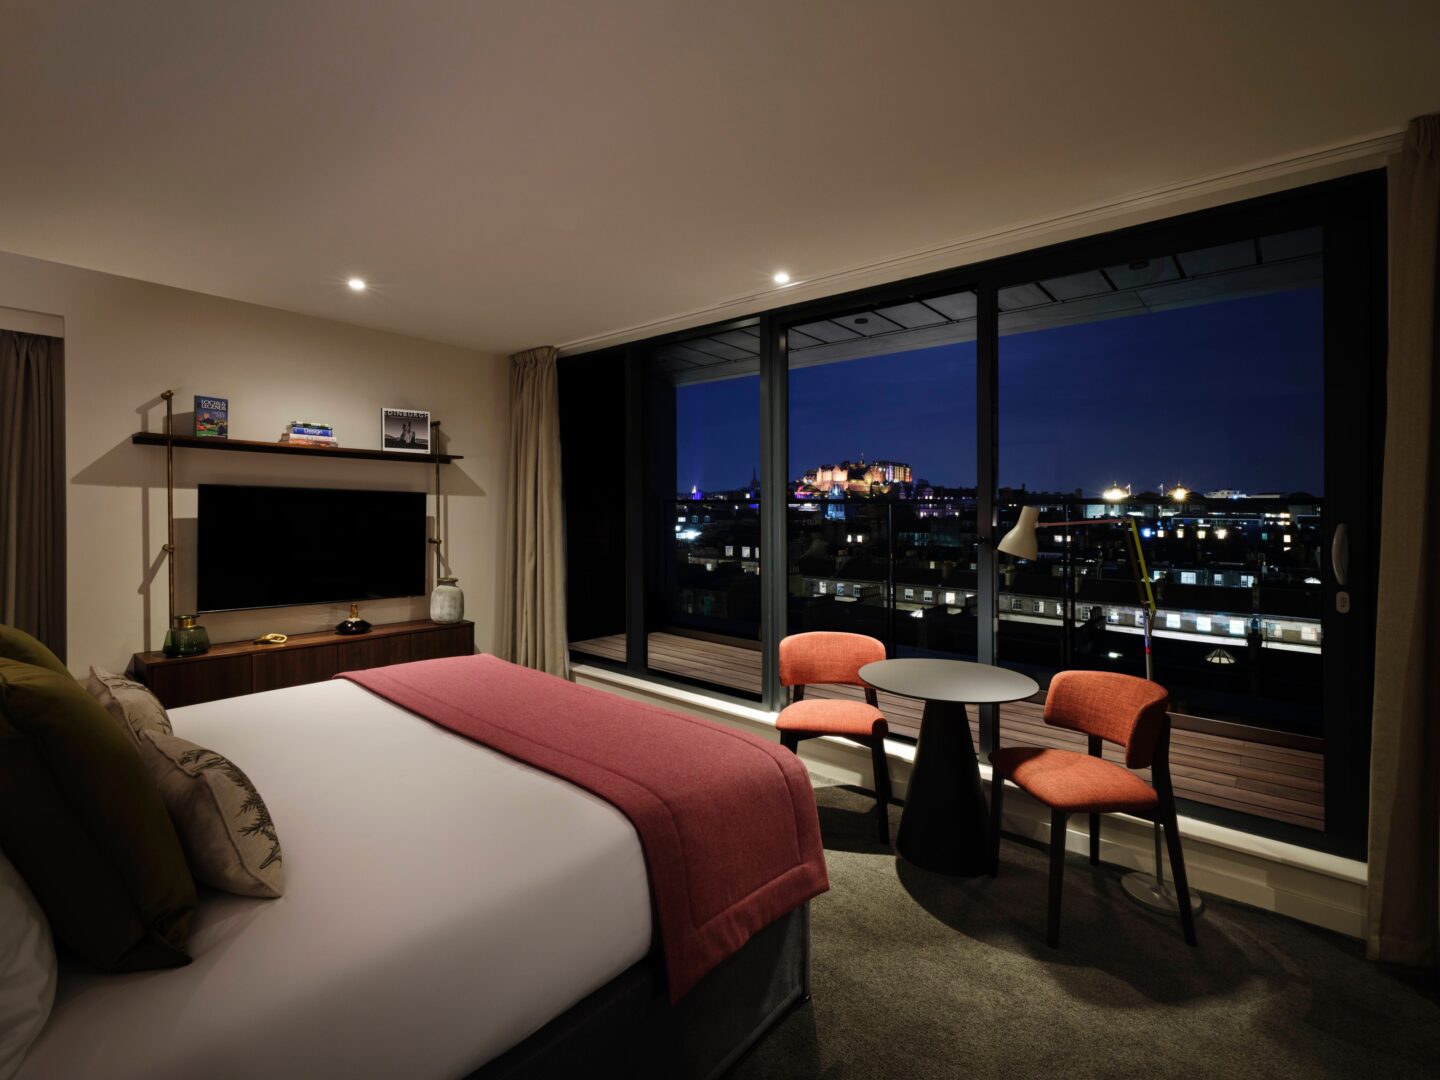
917, 975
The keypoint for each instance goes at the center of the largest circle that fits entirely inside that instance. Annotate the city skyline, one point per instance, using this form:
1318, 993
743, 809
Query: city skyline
1236, 403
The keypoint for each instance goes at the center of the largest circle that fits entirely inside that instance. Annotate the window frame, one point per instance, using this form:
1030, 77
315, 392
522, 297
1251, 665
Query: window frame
1352, 211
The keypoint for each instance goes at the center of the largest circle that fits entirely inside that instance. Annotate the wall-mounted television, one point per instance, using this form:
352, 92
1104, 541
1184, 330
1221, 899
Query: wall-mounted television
280, 546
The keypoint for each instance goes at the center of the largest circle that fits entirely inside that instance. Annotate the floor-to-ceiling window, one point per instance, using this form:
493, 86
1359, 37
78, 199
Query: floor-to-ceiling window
703, 402
1177, 399
880, 512
1197, 399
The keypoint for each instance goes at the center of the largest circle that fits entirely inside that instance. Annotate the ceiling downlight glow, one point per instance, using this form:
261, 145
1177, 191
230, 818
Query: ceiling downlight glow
781, 278
356, 284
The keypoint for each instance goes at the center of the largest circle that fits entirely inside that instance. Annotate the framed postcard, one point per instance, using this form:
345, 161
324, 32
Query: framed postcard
404, 431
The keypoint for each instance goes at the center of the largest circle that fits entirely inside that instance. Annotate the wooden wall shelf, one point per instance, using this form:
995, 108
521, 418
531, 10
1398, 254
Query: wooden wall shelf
247, 446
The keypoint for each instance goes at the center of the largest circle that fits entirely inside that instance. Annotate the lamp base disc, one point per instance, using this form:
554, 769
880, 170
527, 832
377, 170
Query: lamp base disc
1143, 889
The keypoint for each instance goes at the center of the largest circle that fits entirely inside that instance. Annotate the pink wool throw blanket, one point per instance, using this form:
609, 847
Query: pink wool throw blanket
727, 821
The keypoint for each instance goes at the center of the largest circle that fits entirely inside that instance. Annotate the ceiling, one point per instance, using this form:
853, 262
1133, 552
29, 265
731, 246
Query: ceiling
511, 174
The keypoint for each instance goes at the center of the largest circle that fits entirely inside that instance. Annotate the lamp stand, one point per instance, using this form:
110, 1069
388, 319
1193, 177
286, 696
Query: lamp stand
1150, 890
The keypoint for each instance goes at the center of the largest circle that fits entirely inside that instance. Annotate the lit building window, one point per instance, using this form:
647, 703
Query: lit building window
839, 588
709, 566
1247, 581
1285, 539
949, 598
1015, 603
1310, 633
1172, 620
909, 594
1201, 533
1202, 623
821, 586
730, 549
744, 552
1187, 577
1237, 626
928, 596
1038, 606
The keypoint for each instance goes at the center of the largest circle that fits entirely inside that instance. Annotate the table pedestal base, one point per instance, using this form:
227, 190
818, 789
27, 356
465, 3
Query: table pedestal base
945, 827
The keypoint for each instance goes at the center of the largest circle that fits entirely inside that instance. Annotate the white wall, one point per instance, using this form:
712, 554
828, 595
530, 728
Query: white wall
126, 341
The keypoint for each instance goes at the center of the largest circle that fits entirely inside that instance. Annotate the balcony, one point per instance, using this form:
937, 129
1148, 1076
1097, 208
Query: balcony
1269, 775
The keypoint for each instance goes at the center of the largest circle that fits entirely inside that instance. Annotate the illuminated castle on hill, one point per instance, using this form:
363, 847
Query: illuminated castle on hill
856, 478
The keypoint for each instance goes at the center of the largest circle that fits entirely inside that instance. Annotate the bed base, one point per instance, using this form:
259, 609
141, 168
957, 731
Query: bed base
630, 1026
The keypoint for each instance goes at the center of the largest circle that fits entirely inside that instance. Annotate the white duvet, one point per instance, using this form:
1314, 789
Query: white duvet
441, 903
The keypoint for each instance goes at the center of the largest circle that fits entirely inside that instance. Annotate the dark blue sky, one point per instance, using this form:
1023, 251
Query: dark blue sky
1220, 395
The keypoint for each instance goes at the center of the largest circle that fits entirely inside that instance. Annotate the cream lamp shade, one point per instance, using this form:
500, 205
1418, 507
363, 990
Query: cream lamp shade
1020, 541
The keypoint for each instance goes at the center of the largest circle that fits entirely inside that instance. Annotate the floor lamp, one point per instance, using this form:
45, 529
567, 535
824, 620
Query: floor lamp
1022, 542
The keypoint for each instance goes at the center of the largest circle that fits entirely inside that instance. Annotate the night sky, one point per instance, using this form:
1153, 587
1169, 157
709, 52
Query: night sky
1222, 395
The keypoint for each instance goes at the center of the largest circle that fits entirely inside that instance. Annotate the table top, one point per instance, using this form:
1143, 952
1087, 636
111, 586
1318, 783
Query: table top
949, 680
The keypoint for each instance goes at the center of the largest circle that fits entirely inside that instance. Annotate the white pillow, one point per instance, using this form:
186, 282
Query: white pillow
27, 969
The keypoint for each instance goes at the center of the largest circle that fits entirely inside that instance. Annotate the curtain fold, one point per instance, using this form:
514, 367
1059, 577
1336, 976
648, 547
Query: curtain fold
532, 629
32, 486
1404, 851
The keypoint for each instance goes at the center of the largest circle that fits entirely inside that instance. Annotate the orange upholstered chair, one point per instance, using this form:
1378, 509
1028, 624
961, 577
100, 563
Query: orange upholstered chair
827, 657
1106, 707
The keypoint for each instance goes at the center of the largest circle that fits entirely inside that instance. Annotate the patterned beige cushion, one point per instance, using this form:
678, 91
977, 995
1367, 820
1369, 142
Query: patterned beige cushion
132, 704
224, 826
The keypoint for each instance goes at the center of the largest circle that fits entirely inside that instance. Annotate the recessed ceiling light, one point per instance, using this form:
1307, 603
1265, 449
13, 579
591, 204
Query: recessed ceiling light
356, 284
781, 278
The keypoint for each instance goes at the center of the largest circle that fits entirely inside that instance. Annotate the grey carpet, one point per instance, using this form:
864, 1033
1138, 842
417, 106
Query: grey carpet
918, 976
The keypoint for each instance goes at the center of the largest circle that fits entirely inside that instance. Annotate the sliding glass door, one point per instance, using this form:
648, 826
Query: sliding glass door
880, 512
702, 508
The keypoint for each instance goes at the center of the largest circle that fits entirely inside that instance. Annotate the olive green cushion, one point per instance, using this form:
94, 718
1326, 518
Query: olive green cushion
18, 645
85, 825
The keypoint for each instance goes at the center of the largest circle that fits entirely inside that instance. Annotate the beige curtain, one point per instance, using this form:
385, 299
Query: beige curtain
533, 628
1404, 894
32, 486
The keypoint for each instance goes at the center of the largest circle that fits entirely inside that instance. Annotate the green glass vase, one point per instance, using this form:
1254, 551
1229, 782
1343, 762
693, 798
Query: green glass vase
186, 638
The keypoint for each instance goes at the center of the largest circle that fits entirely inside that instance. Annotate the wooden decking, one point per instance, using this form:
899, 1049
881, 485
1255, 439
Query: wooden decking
1274, 782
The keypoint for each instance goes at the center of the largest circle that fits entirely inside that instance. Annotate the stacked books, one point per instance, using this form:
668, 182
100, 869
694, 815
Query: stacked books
309, 433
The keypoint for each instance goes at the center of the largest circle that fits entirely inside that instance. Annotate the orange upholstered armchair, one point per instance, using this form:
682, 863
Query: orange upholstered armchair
828, 657
1106, 707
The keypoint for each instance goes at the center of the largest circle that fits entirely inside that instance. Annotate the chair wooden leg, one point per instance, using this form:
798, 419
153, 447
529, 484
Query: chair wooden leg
1058, 820
1094, 839
997, 804
882, 787
1177, 872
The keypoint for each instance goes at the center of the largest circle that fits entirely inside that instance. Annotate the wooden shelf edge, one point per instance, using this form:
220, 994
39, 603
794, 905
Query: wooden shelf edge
193, 442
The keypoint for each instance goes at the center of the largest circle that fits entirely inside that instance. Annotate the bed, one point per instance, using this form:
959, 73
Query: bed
449, 912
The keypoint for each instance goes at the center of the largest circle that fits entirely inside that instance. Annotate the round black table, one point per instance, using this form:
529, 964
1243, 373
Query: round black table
945, 826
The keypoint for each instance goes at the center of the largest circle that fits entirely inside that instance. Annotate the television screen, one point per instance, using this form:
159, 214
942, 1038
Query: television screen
275, 546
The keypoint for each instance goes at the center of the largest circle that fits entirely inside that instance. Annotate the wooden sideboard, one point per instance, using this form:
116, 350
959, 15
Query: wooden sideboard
242, 667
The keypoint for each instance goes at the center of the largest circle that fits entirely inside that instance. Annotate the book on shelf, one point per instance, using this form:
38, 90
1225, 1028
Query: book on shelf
309, 440
212, 417
312, 429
